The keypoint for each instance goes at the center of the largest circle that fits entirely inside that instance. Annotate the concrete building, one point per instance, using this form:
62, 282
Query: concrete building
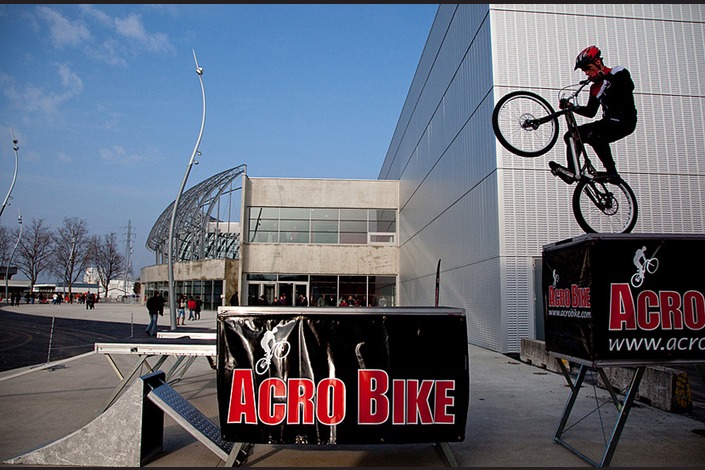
487, 213
312, 241
332, 241
447, 191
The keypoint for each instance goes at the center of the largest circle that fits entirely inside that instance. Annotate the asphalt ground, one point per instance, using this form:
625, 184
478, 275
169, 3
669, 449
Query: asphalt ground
513, 414
27, 340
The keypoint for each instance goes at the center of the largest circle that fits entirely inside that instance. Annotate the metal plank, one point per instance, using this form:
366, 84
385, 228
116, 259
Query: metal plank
204, 348
191, 419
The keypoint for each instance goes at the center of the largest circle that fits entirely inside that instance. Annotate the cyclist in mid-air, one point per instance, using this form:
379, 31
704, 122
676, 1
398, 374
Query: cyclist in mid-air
612, 88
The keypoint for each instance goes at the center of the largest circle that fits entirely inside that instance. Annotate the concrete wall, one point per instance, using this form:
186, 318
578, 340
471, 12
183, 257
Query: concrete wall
218, 269
294, 192
321, 259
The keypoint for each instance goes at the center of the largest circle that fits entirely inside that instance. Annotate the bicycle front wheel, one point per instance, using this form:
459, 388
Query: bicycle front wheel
519, 123
605, 206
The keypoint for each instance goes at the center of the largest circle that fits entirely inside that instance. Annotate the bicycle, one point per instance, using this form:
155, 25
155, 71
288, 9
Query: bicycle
279, 350
526, 125
650, 266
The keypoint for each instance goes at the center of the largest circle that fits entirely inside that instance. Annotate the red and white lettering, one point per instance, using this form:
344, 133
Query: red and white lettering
666, 309
373, 404
242, 398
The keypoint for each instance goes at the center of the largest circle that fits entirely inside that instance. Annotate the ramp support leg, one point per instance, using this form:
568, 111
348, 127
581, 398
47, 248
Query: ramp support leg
623, 407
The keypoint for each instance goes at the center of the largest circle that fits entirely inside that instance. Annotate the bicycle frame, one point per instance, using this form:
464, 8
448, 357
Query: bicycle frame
577, 147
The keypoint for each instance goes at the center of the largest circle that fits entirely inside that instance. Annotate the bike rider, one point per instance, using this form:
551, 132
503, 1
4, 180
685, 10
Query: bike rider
268, 341
639, 255
612, 89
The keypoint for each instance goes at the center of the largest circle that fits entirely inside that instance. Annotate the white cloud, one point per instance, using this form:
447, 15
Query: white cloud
118, 154
110, 52
64, 158
32, 98
131, 27
64, 31
70, 81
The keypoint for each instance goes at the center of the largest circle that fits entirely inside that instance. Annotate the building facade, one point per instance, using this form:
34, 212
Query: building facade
309, 242
486, 213
330, 241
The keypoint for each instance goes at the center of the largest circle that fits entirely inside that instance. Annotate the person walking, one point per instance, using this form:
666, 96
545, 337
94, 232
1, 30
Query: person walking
199, 305
191, 304
155, 308
181, 310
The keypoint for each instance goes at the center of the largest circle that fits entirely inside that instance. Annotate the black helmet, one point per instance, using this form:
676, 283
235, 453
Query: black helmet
588, 55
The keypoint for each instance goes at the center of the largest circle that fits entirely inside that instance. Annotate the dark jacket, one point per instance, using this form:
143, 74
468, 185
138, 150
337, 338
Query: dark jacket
615, 94
155, 305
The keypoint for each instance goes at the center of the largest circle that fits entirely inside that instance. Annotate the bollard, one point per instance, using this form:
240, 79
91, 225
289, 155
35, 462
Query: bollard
51, 335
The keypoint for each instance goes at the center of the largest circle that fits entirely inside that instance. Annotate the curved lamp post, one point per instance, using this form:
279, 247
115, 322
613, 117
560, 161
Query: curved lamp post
9, 262
15, 147
171, 254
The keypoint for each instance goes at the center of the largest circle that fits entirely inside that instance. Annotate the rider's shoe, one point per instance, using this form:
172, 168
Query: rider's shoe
609, 175
562, 172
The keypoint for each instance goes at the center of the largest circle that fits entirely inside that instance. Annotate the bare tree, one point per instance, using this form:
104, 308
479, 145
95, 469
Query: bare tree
4, 247
71, 251
107, 258
35, 251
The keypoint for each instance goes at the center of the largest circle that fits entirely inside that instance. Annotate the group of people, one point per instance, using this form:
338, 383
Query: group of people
193, 304
87, 298
322, 301
15, 299
155, 309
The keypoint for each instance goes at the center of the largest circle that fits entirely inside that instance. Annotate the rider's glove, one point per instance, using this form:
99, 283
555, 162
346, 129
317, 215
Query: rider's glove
564, 104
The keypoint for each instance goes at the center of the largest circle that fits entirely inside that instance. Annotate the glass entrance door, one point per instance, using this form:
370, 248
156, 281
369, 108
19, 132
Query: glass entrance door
259, 293
301, 295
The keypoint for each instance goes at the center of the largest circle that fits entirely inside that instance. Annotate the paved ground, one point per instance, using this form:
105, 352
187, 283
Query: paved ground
514, 408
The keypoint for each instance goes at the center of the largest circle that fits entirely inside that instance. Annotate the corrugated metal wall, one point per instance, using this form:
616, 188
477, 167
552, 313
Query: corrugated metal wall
487, 213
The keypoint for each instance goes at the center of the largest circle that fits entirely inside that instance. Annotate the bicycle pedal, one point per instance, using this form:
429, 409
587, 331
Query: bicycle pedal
562, 172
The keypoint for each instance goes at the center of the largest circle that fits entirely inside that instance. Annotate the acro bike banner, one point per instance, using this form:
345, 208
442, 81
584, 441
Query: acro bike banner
626, 297
328, 376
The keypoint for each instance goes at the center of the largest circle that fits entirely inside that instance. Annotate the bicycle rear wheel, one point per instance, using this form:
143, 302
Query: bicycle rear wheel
605, 206
516, 126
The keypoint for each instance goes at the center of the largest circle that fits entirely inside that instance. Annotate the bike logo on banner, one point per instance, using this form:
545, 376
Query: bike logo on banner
272, 349
648, 265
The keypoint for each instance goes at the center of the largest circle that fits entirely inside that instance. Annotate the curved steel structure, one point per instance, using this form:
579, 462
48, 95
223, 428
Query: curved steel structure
199, 230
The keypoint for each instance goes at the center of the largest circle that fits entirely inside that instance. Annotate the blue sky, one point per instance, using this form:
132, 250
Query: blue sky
106, 103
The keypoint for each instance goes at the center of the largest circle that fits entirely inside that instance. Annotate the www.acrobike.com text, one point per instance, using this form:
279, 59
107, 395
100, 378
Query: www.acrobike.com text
657, 344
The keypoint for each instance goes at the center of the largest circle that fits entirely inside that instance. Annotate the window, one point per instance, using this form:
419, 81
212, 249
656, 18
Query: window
353, 226
264, 224
322, 226
324, 291
382, 227
293, 225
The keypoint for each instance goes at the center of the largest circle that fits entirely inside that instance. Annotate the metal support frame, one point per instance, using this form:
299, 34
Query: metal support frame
447, 455
623, 407
185, 355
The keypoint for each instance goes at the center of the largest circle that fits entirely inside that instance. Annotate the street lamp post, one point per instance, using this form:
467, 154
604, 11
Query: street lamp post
9, 262
171, 254
15, 147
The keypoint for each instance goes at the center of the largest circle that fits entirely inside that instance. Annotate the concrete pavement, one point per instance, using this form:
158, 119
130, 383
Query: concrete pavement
514, 411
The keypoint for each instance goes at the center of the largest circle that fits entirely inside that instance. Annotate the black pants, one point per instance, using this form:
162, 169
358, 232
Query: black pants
599, 135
